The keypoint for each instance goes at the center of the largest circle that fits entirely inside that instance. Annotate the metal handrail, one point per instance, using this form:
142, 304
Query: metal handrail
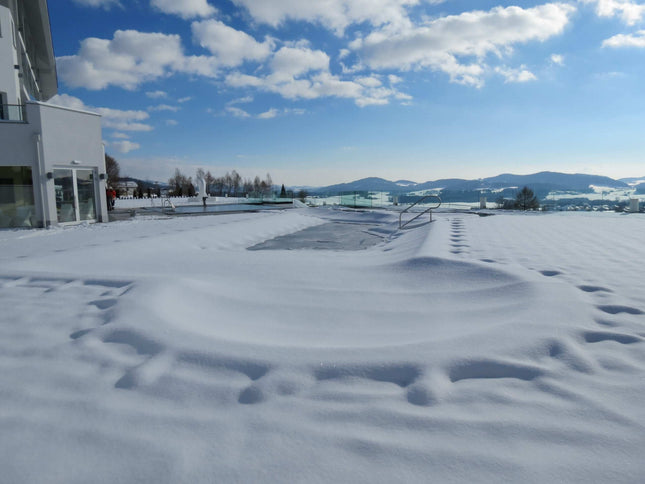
428, 210
167, 203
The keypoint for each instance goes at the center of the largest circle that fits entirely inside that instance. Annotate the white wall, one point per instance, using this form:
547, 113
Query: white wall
70, 139
55, 137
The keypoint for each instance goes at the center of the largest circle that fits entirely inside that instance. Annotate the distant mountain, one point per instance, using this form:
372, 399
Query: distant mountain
562, 181
366, 184
543, 182
633, 181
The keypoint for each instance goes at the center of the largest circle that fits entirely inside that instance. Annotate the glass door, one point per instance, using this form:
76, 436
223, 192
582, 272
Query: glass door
65, 196
86, 197
75, 195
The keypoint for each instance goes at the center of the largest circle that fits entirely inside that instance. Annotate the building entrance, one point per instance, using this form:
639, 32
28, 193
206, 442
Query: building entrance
75, 194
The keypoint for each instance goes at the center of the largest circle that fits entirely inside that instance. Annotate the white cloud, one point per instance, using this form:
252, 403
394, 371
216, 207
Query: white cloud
171, 122
231, 47
298, 72
185, 8
164, 107
120, 120
515, 75
459, 44
120, 135
557, 59
336, 15
291, 62
124, 146
629, 11
271, 113
626, 40
97, 3
241, 100
128, 60
237, 112
184, 99
156, 94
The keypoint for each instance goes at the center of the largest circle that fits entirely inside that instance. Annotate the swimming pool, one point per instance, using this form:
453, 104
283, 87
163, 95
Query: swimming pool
219, 208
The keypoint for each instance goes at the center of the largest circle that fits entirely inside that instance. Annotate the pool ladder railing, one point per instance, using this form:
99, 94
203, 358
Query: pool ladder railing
437, 201
167, 205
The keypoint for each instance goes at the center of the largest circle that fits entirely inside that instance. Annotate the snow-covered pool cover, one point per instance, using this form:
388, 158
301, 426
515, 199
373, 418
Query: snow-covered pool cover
499, 349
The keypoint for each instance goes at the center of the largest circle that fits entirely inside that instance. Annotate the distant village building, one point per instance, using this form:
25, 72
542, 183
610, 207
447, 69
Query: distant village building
52, 163
126, 188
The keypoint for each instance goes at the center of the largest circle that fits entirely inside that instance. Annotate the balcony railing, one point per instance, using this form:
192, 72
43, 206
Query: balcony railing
12, 113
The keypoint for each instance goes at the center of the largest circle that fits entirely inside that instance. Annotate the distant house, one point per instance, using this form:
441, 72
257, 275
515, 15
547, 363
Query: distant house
52, 165
126, 188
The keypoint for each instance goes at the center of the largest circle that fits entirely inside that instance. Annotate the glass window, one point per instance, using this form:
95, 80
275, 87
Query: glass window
17, 208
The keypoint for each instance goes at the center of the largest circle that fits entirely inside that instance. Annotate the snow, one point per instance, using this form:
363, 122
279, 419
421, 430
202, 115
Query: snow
506, 348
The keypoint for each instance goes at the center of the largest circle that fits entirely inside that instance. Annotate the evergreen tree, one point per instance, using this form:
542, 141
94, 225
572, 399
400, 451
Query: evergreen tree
526, 200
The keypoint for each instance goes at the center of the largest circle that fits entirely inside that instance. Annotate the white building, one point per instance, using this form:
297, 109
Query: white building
52, 165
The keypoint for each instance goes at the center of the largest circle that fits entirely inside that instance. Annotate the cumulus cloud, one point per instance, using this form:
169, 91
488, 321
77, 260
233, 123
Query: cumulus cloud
629, 11
124, 146
459, 44
291, 62
557, 59
626, 40
515, 75
271, 113
336, 15
129, 59
299, 72
120, 120
185, 8
231, 47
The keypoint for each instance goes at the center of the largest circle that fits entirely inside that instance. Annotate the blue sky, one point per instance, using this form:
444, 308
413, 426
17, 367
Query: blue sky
321, 92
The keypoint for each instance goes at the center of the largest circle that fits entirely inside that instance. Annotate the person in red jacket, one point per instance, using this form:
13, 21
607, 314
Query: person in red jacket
110, 195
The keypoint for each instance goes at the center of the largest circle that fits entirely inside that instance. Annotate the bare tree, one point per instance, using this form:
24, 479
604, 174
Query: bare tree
236, 181
111, 170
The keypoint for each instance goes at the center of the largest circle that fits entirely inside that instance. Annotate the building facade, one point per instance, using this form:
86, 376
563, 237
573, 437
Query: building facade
52, 162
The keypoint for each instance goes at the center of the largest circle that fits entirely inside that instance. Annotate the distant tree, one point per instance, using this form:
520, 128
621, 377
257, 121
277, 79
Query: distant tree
283, 192
228, 183
111, 170
210, 180
217, 186
269, 184
179, 184
247, 186
257, 185
526, 200
188, 189
302, 195
505, 203
236, 182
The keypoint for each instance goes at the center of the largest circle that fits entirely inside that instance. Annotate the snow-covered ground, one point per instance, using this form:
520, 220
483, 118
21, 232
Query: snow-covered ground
507, 348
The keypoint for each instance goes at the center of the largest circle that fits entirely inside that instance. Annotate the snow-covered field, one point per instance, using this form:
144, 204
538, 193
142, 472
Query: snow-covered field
508, 348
